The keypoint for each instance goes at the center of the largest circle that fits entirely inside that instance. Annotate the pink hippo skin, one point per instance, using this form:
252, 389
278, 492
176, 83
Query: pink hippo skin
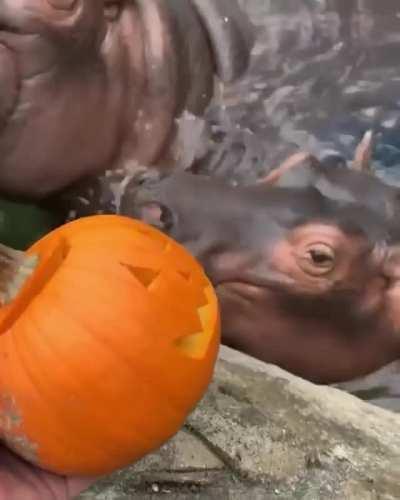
91, 85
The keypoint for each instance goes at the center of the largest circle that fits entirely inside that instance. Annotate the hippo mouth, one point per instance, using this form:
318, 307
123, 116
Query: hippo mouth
347, 301
252, 280
284, 287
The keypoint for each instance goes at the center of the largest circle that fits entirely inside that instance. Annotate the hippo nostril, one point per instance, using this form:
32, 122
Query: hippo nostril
62, 4
112, 9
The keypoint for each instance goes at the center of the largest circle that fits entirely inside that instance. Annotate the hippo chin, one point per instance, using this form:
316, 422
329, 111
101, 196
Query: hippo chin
304, 282
90, 85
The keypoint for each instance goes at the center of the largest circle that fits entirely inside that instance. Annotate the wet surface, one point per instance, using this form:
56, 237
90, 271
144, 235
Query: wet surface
322, 73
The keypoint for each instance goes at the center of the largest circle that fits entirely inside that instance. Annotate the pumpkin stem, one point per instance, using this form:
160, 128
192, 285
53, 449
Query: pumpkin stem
15, 269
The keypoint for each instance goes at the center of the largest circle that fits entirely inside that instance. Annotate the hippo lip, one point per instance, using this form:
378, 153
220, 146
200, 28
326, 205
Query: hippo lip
279, 284
269, 280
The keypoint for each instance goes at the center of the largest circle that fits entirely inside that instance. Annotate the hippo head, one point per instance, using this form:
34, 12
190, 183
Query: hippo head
89, 85
303, 281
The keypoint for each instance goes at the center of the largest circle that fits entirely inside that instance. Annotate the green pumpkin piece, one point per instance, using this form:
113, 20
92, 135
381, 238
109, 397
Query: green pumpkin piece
23, 223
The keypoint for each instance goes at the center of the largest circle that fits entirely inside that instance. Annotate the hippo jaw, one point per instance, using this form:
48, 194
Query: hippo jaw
328, 328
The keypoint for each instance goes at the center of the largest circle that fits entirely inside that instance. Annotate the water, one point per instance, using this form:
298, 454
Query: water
322, 73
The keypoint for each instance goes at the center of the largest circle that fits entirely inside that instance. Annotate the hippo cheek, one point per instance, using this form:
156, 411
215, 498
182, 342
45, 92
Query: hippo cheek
252, 321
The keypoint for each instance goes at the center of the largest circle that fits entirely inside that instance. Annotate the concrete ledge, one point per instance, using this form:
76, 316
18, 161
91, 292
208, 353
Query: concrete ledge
261, 433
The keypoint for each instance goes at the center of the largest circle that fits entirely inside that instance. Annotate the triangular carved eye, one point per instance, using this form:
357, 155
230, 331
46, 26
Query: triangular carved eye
185, 274
62, 4
145, 275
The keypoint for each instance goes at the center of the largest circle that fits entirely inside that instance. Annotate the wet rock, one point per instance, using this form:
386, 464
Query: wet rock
262, 433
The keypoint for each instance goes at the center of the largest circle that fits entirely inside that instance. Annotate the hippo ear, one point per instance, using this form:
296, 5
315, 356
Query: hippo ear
155, 214
231, 35
296, 163
363, 154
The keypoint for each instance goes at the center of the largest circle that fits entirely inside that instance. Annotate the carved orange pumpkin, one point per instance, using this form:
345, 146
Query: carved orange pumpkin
106, 348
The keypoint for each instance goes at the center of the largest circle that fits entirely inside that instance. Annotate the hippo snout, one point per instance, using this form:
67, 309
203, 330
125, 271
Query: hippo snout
88, 86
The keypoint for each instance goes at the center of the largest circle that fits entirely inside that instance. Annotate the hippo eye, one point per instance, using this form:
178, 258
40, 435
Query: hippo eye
318, 259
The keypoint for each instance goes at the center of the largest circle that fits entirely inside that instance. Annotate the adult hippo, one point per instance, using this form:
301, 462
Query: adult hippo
321, 74
89, 85
303, 281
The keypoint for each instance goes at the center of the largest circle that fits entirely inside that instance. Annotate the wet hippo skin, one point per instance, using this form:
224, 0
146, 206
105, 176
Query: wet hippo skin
308, 284
89, 85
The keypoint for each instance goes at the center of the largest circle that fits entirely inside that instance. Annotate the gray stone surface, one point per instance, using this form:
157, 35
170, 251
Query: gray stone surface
261, 433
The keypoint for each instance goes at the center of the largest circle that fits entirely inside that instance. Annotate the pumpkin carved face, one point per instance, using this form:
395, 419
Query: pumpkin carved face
106, 348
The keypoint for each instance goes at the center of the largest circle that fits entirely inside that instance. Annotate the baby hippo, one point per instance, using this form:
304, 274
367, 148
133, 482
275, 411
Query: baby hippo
303, 281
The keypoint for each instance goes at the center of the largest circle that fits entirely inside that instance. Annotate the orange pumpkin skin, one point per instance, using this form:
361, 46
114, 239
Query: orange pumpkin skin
107, 348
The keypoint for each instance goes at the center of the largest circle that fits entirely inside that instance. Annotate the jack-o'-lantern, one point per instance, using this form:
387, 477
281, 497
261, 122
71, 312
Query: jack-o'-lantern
109, 333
